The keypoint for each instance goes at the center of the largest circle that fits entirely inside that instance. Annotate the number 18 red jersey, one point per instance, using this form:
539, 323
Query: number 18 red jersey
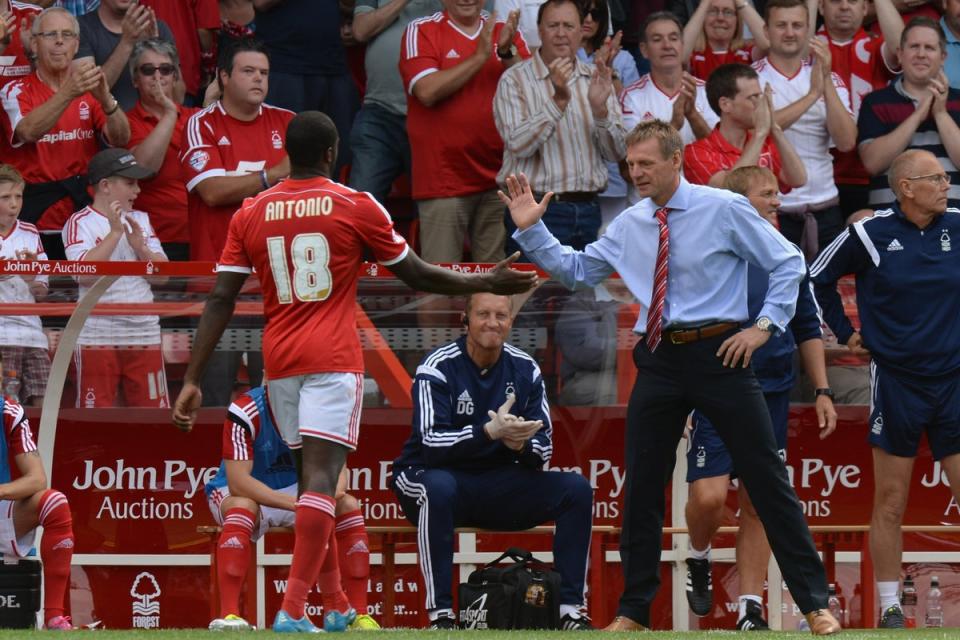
305, 239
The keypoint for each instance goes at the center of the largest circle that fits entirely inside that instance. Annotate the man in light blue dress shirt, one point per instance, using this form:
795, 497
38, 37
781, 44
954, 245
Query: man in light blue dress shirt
701, 360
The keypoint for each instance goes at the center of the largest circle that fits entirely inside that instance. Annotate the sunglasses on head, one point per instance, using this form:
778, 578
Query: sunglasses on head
150, 69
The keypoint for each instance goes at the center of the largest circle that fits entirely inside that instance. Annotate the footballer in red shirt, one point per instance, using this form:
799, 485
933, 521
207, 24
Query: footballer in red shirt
231, 150
747, 133
305, 238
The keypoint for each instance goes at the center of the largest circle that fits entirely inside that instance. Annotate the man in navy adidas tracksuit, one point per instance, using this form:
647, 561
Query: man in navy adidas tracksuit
481, 435
908, 295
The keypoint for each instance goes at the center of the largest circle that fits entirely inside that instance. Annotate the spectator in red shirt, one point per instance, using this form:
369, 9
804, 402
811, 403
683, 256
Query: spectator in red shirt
156, 133
714, 36
52, 119
734, 92
451, 63
194, 24
866, 62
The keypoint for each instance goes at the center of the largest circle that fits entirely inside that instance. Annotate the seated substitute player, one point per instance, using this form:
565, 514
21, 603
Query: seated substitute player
117, 356
306, 238
25, 504
469, 464
255, 489
709, 466
23, 345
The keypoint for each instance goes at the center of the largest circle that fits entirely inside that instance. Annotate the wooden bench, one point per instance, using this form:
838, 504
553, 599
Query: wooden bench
604, 539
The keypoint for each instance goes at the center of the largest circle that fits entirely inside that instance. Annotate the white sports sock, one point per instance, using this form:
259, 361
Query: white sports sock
700, 555
569, 609
743, 604
433, 614
888, 594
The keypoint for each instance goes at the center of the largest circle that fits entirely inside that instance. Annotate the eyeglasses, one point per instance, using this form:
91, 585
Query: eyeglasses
61, 35
939, 178
150, 69
595, 14
726, 13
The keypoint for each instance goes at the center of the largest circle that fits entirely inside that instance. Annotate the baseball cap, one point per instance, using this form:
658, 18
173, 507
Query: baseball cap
115, 162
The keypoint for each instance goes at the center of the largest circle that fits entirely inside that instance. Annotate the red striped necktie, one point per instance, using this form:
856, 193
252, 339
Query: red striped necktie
655, 312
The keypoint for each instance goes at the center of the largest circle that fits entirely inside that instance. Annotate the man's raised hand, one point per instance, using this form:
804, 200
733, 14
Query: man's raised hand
525, 211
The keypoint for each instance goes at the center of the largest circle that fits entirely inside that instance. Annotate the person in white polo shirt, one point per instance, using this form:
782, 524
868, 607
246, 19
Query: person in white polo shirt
813, 109
667, 93
118, 361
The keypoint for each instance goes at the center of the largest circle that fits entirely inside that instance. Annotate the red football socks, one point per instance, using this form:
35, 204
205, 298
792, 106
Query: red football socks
354, 555
56, 551
313, 529
233, 558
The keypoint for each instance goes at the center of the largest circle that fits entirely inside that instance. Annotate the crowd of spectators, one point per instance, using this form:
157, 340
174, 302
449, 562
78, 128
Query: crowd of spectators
437, 101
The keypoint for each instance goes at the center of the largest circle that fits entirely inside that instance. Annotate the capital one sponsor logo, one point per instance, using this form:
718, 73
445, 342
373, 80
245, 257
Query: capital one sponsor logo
146, 610
68, 136
173, 476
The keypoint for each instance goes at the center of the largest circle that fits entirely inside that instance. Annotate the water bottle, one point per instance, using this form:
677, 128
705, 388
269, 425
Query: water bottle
11, 385
934, 611
908, 603
833, 603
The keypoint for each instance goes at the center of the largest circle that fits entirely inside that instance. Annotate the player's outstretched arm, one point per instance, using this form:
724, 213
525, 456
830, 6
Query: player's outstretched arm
216, 314
502, 279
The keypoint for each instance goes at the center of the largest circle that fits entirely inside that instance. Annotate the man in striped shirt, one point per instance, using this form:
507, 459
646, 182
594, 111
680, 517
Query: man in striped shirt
560, 122
919, 110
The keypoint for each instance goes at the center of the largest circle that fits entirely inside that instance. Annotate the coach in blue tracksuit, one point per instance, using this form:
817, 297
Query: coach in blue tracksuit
908, 295
481, 435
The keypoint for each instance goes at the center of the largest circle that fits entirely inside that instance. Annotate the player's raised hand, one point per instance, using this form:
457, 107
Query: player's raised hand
525, 211
506, 281
185, 408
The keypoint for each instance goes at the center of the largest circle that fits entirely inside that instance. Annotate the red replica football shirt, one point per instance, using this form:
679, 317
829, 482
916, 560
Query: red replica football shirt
217, 144
703, 63
63, 151
710, 155
306, 238
455, 146
13, 62
861, 65
163, 196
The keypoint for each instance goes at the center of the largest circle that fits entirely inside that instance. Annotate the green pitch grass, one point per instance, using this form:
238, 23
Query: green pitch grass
420, 634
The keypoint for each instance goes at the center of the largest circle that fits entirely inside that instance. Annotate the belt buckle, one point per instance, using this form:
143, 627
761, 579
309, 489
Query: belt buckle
675, 338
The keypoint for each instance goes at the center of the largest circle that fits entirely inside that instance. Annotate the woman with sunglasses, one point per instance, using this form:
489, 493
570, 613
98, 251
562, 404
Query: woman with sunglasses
595, 27
156, 127
714, 36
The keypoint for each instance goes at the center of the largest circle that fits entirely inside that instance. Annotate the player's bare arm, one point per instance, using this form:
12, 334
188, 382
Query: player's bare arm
32, 478
216, 315
242, 484
502, 279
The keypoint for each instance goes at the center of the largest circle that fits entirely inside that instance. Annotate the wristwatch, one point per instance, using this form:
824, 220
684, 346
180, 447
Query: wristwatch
824, 391
765, 324
509, 54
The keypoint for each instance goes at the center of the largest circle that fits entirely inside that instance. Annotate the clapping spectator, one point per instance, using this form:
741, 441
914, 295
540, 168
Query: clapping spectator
156, 133
52, 119
23, 344
668, 92
560, 123
714, 35
451, 65
118, 361
15, 19
108, 35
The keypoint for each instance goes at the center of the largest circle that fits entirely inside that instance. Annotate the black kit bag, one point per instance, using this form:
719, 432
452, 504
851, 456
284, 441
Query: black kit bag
523, 594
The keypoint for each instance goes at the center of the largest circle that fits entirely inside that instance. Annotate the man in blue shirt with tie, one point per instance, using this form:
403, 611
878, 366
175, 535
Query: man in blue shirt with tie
683, 252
